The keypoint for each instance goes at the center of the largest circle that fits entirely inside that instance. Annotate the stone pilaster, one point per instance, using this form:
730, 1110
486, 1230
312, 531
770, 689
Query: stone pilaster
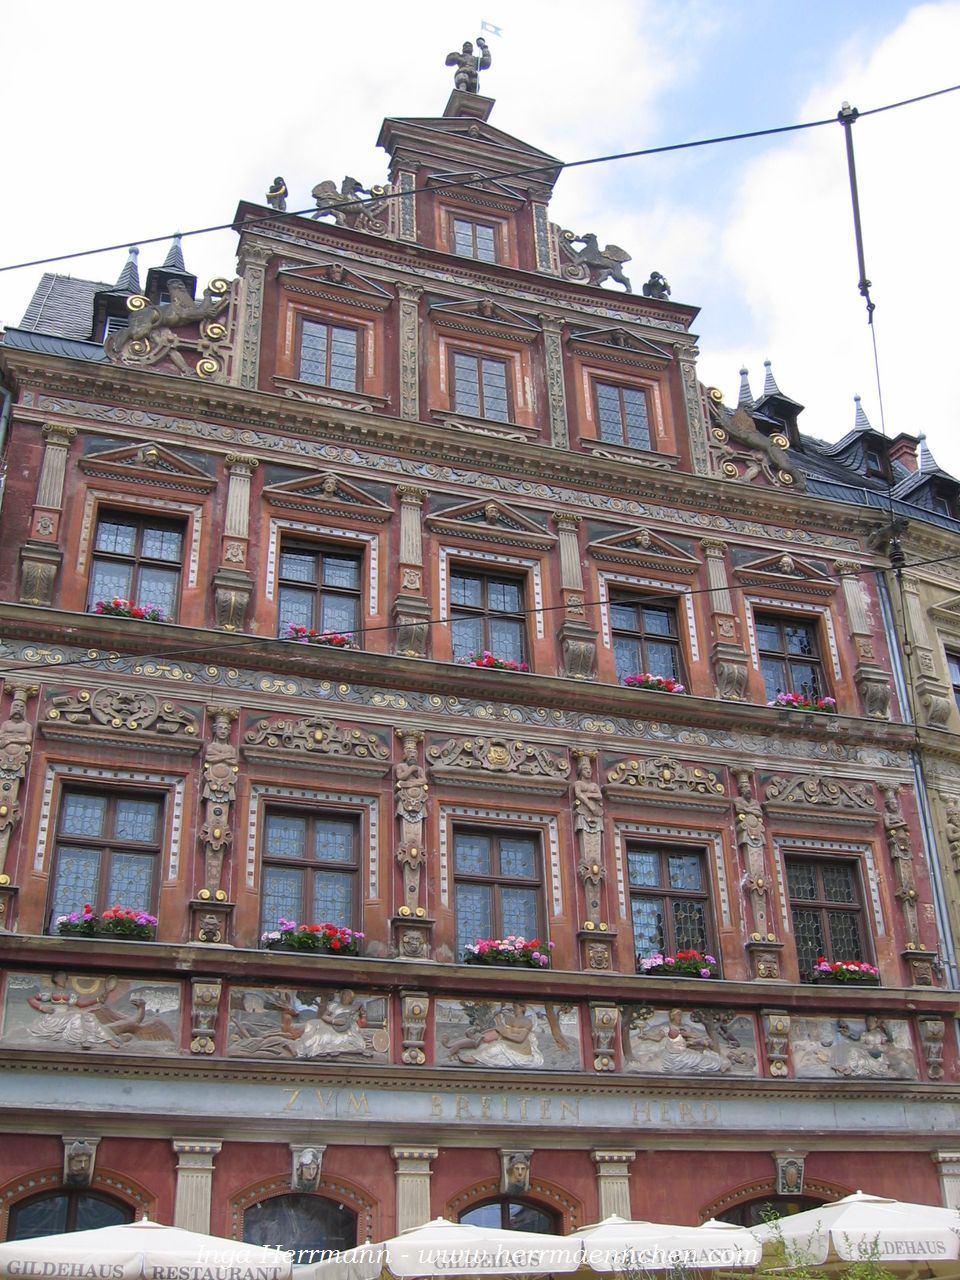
232, 583
933, 694
872, 681
191, 1209
729, 658
253, 270
411, 524
578, 640
40, 555
948, 1167
613, 1182
413, 1185
696, 419
411, 612
410, 295
556, 392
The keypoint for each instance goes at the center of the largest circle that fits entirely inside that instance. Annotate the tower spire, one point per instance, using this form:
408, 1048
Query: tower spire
745, 398
770, 387
174, 259
861, 422
128, 280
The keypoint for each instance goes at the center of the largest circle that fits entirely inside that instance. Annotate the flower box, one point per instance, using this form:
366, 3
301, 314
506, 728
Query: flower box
332, 639
858, 972
487, 659
325, 939
685, 964
115, 922
802, 702
120, 608
513, 951
654, 684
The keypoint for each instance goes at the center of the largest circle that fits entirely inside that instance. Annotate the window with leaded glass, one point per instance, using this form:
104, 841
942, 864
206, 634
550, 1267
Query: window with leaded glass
310, 1225
57, 1212
480, 386
319, 588
487, 614
499, 887
669, 900
511, 1215
107, 851
827, 908
137, 558
789, 656
474, 240
645, 638
310, 868
953, 666
330, 355
623, 415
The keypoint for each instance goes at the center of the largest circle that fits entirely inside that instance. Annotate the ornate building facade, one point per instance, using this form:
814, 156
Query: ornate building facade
257, 544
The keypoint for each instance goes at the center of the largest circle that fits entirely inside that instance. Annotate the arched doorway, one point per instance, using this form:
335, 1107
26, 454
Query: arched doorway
54, 1212
302, 1222
511, 1215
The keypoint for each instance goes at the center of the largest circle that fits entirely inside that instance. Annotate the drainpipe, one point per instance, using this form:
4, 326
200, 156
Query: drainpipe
947, 950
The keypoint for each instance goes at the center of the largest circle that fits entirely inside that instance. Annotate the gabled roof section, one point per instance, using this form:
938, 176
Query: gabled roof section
63, 306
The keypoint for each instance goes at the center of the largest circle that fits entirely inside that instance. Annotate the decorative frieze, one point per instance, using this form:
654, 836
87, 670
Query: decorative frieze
816, 792
499, 761
664, 774
338, 746
122, 715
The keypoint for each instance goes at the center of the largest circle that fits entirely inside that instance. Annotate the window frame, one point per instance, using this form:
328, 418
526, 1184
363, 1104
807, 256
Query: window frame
483, 612
668, 895
617, 596
497, 880
289, 542
822, 905
479, 357
107, 845
953, 674
455, 216
312, 818
142, 520
762, 617
620, 387
73, 1196
504, 1202
330, 324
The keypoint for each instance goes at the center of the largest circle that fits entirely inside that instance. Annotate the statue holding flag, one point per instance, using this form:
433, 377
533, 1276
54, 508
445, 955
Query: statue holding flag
469, 65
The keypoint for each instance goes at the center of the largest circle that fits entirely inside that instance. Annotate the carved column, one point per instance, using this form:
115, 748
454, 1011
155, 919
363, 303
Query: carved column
933, 694
730, 662
872, 681
776, 1038
411, 612
195, 1158
204, 1008
613, 1182
411, 926
588, 825
604, 1025
410, 295
403, 209
413, 1185
556, 391
900, 845
948, 1167
16, 744
763, 945
696, 420
40, 556
414, 1008
578, 641
252, 265
211, 909
232, 583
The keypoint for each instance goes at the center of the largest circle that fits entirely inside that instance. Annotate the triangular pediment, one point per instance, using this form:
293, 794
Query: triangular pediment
152, 464
484, 315
487, 521
325, 493
615, 340
947, 610
334, 280
786, 571
643, 548
465, 181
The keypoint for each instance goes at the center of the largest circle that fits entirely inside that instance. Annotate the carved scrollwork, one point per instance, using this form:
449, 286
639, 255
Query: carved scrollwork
500, 756
663, 773
825, 793
317, 736
129, 710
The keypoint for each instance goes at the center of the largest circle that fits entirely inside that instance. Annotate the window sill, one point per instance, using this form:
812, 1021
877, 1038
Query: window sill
317, 393
485, 426
624, 453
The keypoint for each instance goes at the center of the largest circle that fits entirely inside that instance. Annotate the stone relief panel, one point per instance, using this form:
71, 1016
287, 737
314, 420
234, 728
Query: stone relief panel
507, 1035
693, 1042
283, 1023
59, 1012
867, 1047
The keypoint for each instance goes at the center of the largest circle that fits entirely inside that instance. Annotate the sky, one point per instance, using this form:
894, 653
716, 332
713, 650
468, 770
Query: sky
129, 122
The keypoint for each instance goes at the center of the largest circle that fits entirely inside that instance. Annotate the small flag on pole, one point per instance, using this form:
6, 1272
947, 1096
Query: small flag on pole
491, 29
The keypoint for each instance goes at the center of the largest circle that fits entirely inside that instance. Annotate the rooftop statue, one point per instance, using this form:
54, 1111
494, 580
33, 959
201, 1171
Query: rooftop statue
277, 195
656, 287
469, 65
351, 205
592, 264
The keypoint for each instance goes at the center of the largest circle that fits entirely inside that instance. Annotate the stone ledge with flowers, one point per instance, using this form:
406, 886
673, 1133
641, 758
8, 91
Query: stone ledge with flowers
115, 922
487, 659
512, 950
120, 608
654, 684
326, 939
854, 971
803, 702
685, 964
307, 635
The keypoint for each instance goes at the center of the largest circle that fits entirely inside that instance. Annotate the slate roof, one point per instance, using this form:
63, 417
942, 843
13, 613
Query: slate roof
63, 306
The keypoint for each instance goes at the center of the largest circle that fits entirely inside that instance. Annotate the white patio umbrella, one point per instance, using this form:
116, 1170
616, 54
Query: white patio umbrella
443, 1248
140, 1251
864, 1227
617, 1244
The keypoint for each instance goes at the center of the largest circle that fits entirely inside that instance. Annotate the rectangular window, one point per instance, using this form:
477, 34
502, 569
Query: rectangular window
137, 558
487, 613
953, 666
330, 355
498, 885
480, 387
645, 638
669, 900
475, 240
319, 588
107, 851
623, 415
827, 908
789, 657
310, 868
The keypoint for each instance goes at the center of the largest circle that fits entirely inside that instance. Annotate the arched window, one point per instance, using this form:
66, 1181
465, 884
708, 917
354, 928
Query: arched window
755, 1212
301, 1222
511, 1215
54, 1212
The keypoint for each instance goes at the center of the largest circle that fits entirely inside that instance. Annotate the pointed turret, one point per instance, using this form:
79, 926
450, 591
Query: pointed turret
173, 267
775, 408
128, 280
861, 422
745, 398
770, 387
927, 461
174, 259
